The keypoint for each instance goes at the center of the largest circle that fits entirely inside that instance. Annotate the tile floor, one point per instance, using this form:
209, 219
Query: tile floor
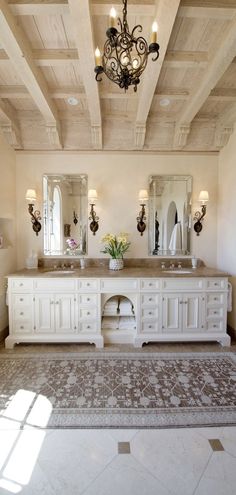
189, 461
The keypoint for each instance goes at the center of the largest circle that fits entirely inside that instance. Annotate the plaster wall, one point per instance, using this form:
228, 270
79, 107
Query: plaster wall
118, 177
226, 240
7, 223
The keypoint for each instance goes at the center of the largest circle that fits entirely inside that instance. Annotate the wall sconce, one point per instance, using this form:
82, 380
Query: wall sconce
199, 215
143, 198
92, 197
35, 215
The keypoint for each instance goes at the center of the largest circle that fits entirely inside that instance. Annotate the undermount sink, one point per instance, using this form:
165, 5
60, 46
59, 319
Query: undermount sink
60, 272
181, 271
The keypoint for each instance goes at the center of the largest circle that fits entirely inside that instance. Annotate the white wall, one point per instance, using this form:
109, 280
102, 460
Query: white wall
7, 222
117, 178
226, 258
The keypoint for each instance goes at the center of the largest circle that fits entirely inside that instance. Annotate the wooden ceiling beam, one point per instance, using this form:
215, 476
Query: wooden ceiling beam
178, 59
212, 4
166, 11
17, 47
37, 7
222, 14
81, 17
10, 126
45, 57
225, 52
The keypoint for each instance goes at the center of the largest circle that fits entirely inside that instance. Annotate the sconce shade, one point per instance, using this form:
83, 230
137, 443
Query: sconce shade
143, 196
92, 195
203, 197
31, 195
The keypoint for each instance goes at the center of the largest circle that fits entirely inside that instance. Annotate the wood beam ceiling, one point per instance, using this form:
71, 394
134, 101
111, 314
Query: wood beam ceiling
17, 47
10, 126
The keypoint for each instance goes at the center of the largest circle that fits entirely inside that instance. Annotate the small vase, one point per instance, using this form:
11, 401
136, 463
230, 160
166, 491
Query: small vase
116, 264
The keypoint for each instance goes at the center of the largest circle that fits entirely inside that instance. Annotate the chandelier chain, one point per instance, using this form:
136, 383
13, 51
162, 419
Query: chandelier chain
125, 24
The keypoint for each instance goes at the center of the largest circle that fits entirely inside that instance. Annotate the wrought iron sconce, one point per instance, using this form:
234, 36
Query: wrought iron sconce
143, 198
35, 214
92, 197
199, 215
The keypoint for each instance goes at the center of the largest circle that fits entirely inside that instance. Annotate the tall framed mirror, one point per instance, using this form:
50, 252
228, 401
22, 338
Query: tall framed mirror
169, 215
65, 214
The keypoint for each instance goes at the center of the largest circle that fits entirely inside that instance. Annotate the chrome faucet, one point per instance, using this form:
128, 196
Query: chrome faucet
172, 265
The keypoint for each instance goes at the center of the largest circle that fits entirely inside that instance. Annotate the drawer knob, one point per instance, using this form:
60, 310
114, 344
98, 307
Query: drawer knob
214, 326
21, 327
215, 283
88, 312
74, 327
88, 298
215, 298
88, 284
21, 285
215, 312
21, 313
150, 299
149, 326
150, 284
21, 299
88, 326
150, 313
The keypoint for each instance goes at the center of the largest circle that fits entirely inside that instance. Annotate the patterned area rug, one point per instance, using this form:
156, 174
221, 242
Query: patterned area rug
117, 390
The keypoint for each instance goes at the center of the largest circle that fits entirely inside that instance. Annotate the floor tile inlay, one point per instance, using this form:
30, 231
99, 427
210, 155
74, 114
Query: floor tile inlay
216, 445
123, 448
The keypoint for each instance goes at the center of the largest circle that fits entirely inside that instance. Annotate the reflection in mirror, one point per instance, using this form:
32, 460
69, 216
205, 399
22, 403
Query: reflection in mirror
65, 214
169, 214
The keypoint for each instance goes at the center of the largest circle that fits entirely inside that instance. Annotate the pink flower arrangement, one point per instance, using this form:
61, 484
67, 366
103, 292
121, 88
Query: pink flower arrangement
72, 244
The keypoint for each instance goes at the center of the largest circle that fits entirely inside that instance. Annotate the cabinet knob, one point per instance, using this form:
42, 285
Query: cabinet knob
88, 312
215, 298
149, 326
150, 284
88, 284
21, 313
21, 327
150, 299
215, 312
21, 285
88, 326
21, 299
74, 327
214, 326
88, 298
150, 313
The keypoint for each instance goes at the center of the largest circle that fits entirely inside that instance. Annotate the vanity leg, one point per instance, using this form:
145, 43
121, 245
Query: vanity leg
225, 341
9, 343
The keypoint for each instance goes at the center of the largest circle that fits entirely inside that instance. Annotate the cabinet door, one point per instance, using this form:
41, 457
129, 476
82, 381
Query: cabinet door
44, 313
64, 305
193, 312
172, 313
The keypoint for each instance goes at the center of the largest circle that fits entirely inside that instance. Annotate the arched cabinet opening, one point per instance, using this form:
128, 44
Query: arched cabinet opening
119, 318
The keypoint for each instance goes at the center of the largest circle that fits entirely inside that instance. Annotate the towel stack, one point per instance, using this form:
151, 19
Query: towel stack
118, 305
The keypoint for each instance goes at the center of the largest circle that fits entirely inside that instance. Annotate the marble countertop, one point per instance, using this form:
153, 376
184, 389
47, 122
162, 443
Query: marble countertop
126, 272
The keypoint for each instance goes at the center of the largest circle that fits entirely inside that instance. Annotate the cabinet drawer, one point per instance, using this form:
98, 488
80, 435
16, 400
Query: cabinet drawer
149, 299
149, 327
215, 326
22, 327
150, 284
21, 284
54, 285
88, 313
21, 314
150, 313
20, 300
88, 299
88, 284
215, 312
181, 284
216, 283
215, 299
118, 284
88, 327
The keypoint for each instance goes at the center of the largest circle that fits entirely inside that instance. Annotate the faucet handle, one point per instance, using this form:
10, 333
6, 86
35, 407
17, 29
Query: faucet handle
172, 265
179, 264
163, 265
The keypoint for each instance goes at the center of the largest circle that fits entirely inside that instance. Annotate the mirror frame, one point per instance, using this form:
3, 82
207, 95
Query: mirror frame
83, 228
151, 216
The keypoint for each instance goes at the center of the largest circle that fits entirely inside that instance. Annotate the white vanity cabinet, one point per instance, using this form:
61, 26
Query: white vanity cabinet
163, 309
54, 313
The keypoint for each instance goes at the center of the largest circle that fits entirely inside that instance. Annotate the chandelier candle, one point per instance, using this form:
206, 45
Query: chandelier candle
125, 53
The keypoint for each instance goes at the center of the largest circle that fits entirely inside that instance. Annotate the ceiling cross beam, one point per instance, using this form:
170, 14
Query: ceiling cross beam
166, 11
18, 49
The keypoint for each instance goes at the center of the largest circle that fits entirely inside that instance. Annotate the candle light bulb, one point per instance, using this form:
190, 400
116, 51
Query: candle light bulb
97, 56
154, 32
112, 17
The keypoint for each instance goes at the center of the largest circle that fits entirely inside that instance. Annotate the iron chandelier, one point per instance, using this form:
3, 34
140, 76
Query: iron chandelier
125, 54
